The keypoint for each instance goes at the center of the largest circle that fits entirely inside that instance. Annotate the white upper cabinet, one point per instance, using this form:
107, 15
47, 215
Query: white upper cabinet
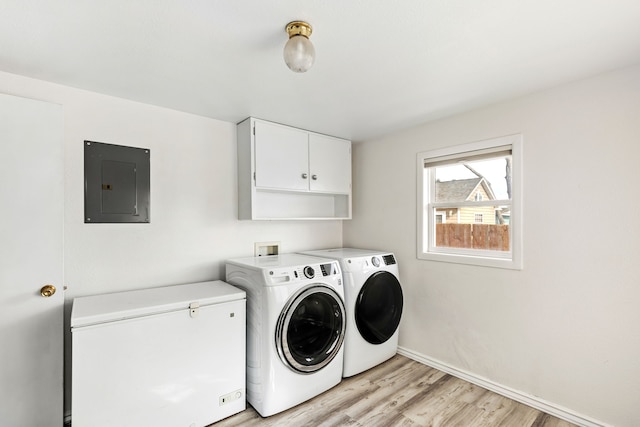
290, 173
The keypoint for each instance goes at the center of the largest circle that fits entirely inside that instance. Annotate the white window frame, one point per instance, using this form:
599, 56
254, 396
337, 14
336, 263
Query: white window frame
426, 248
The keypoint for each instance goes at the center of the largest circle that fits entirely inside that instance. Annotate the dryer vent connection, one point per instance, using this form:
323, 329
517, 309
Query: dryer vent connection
266, 248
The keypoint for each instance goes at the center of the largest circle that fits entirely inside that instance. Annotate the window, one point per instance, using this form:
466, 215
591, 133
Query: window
470, 199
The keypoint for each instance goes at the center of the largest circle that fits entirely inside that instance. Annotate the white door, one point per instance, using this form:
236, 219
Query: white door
282, 157
329, 164
31, 250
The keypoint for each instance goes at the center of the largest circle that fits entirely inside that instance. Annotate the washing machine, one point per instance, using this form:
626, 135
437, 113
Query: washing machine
295, 327
373, 297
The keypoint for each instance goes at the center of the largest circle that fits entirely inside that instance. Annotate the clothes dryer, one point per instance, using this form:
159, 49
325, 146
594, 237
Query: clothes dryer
374, 300
295, 327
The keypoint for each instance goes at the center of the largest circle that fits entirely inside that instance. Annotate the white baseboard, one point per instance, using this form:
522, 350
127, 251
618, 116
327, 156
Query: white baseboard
518, 396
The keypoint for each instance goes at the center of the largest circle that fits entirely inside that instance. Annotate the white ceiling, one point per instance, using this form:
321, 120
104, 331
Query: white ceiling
381, 65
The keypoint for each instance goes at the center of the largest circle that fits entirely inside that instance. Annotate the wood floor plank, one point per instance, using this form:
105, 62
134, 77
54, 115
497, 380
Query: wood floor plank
394, 390
337, 419
437, 406
496, 410
546, 420
402, 393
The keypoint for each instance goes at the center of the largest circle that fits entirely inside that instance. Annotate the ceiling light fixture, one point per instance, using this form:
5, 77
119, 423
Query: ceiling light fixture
299, 52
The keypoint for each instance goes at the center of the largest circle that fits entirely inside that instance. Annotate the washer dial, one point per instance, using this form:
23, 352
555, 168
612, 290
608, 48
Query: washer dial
309, 272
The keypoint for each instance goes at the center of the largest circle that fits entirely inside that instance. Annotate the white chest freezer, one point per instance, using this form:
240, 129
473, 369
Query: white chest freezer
171, 356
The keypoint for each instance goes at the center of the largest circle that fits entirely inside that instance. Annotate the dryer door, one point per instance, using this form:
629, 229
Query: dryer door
379, 307
310, 329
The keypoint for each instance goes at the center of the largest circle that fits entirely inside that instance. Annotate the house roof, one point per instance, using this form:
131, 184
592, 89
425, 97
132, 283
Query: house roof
459, 190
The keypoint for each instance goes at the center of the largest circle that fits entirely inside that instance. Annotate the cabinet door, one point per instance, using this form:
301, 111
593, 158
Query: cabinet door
329, 164
282, 157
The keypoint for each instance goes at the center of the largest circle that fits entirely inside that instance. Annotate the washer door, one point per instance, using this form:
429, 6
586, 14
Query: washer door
310, 329
379, 307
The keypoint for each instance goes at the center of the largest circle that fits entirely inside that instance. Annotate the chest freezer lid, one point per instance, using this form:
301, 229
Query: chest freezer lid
91, 310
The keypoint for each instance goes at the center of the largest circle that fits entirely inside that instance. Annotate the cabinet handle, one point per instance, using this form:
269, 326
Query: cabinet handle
304, 176
314, 177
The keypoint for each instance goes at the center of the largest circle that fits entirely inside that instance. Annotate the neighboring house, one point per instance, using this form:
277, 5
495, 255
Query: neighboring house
460, 190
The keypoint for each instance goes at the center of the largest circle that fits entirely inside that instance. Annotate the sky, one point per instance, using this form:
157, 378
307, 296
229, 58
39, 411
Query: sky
494, 170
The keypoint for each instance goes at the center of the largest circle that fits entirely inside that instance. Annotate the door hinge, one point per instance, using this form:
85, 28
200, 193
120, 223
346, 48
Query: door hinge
194, 309
254, 176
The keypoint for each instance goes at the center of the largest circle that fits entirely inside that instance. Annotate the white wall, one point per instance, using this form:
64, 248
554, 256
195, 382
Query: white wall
194, 225
565, 329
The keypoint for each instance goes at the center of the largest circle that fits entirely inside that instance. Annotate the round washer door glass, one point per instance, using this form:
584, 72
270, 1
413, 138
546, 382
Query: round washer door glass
310, 329
379, 307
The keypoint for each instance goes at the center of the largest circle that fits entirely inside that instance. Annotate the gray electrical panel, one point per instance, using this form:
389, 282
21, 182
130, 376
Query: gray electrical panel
116, 183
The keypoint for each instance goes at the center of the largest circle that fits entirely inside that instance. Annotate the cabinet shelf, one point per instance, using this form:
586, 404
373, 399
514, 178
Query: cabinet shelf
269, 204
305, 192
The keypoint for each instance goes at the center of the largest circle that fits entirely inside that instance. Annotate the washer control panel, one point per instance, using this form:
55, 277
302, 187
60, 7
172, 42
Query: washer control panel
287, 274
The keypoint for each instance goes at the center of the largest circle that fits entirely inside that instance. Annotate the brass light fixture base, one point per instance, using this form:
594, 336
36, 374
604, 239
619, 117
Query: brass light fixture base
298, 28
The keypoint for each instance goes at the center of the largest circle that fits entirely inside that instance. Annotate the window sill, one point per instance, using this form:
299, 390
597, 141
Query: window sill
506, 263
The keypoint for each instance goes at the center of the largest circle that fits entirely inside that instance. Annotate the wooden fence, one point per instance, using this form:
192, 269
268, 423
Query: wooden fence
494, 237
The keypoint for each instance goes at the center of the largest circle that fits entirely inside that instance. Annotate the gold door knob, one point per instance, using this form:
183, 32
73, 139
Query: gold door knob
47, 290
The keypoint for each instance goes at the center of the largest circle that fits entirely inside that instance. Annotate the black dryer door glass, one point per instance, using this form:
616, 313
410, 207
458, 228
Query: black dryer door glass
379, 307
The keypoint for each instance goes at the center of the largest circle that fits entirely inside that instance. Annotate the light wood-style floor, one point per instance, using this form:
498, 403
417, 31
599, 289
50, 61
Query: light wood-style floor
402, 392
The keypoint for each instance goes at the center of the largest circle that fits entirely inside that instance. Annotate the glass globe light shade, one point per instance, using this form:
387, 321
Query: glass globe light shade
299, 54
